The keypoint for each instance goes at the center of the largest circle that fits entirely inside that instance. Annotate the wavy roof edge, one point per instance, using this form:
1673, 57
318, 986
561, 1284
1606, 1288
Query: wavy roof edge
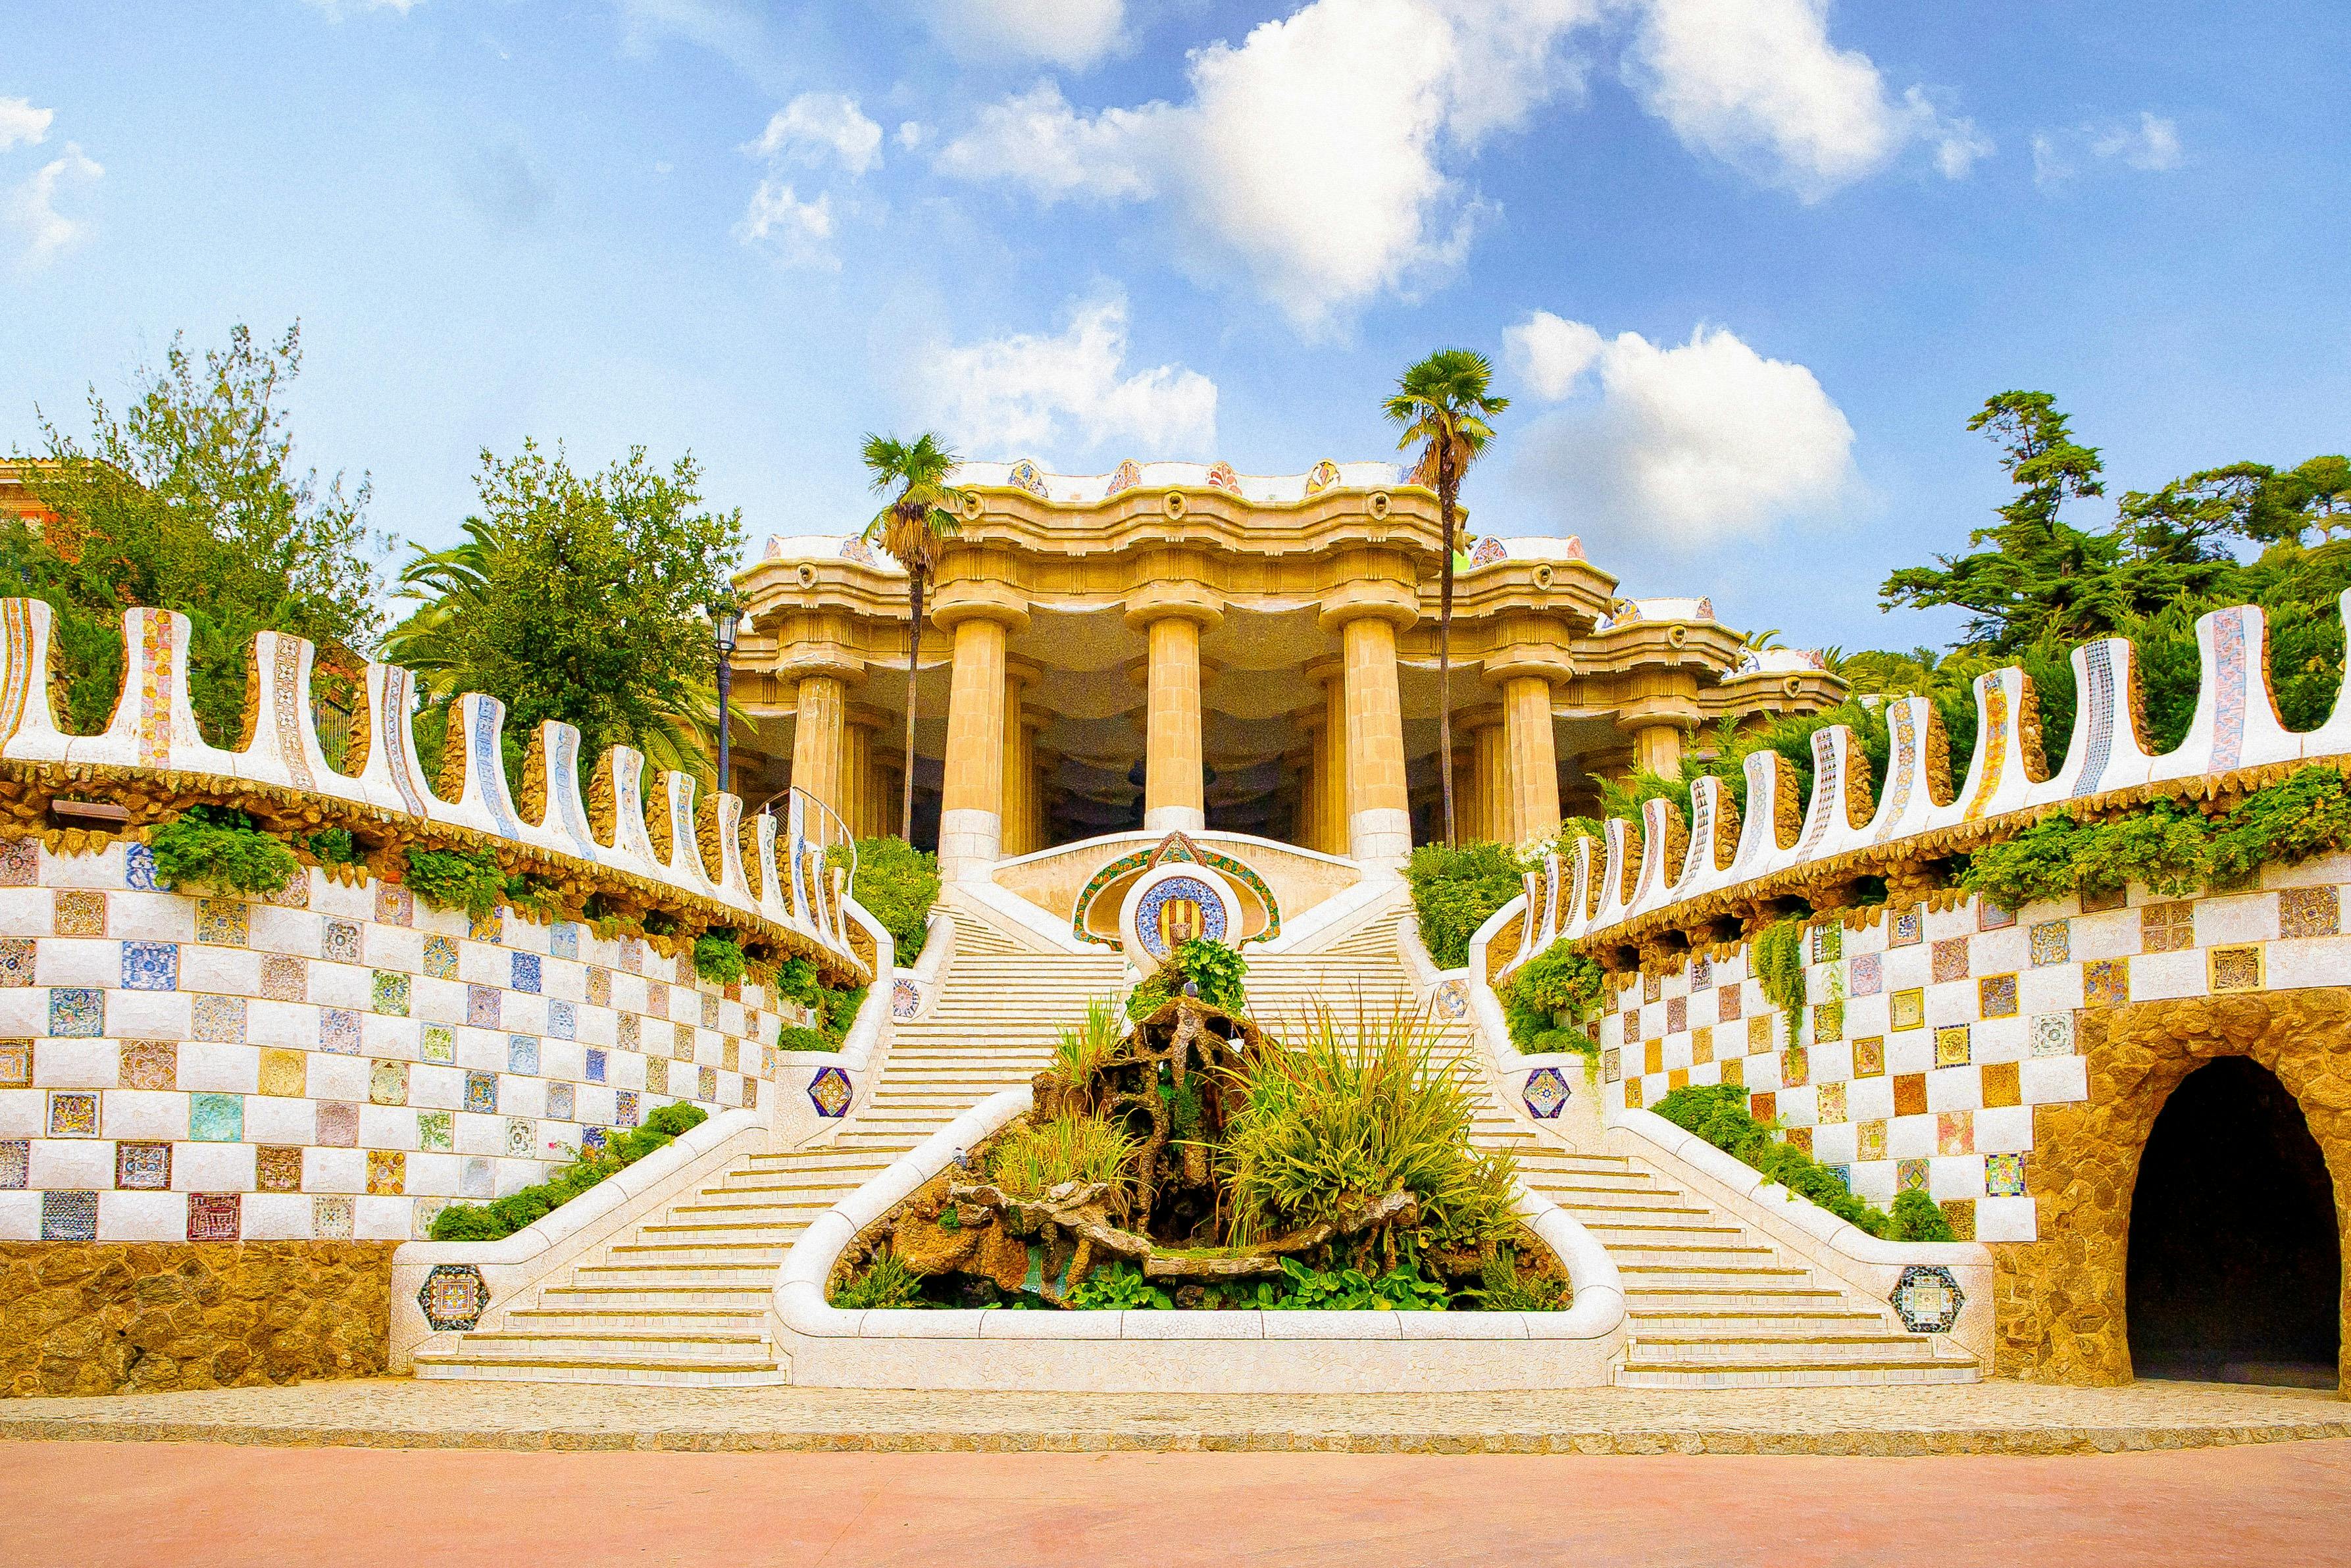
1263, 489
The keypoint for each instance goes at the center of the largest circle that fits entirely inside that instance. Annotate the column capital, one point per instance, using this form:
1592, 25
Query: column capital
1174, 599
1514, 661
1370, 600
1486, 717
966, 599
1323, 671
1019, 672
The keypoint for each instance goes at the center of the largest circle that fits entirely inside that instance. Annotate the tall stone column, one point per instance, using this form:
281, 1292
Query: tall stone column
1330, 772
889, 774
1172, 614
971, 809
1017, 784
1489, 810
857, 774
1379, 811
1306, 827
819, 743
1042, 764
1659, 705
1533, 757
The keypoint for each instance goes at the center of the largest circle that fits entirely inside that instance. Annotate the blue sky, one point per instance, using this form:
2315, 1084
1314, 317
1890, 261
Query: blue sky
1746, 265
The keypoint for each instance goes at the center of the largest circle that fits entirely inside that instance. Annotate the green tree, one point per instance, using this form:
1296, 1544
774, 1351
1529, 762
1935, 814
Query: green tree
914, 528
188, 499
1443, 402
580, 597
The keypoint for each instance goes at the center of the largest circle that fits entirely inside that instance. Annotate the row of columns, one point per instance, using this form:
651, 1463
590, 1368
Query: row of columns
840, 755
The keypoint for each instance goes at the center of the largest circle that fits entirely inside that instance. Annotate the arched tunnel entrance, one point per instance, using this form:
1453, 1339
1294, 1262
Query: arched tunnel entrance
2234, 1269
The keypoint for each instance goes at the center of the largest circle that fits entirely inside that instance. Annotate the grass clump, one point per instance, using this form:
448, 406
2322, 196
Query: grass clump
453, 879
1348, 1114
1033, 1159
1078, 1053
1456, 890
885, 1282
1118, 1288
216, 848
503, 1216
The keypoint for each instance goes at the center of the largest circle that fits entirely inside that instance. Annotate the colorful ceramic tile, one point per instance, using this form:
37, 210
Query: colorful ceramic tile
482, 1006
68, 1216
388, 1081
15, 1164
1701, 1044
1701, 974
77, 1014
338, 1031
217, 1019
1907, 1009
2304, 912
730, 1055
1959, 1214
1950, 960
387, 1173
521, 1138
142, 1166
1633, 1101
20, 862
526, 972
709, 1009
283, 1073
624, 1107
1828, 943
2235, 968
563, 940
2052, 942
441, 957
338, 1124
1909, 1093
436, 1131
522, 1054
1869, 1056
73, 1114
1764, 1106
216, 1118
2167, 927
151, 965
1869, 1140
1676, 1015
2105, 982
482, 1092
16, 1065
592, 1140
656, 1000
490, 927
751, 1093
630, 1032
2001, 1086
17, 959
1734, 1071
2004, 1176
706, 1085
341, 944
1653, 1056
595, 1065
80, 913
1828, 1103
1928, 1299
1864, 974
830, 1091
149, 1064
332, 1218
394, 905
390, 991
439, 1044
1653, 986
1955, 1132
560, 1101
1759, 1034
684, 1043
1795, 1066
1728, 1003
278, 1167
1799, 1139
632, 955
1909, 924
222, 922
1996, 997
1951, 1045
562, 1021
138, 872
600, 987
1611, 1067
284, 977
1828, 1022
1992, 918
1910, 1176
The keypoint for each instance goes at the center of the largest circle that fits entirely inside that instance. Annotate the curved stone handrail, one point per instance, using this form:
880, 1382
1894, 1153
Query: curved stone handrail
1256, 1351
803, 888
1648, 877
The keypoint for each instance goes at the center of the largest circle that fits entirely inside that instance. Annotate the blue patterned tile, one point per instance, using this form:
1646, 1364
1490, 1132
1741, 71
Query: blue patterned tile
560, 1098
77, 1014
562, 1021
440, 957
216, 1118
151, 965
522, 1054
526, 972
592, 1140
563, 942
138, 868
624, 1107
482, 1006
595, 1065
482, 1092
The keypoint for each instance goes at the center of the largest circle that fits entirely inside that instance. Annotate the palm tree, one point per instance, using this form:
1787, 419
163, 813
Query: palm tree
914, 528
1443, 404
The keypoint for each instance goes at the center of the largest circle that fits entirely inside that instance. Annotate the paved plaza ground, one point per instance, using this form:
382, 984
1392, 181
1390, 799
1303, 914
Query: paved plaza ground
96, 1504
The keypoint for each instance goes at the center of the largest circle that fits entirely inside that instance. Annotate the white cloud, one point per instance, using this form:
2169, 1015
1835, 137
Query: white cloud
20, 122
801, 232
2153, 145
1694, 443
816, 125
32, 207
912, 133
335, 8
1029, 394
1076, 34
1312, 153
1760, 85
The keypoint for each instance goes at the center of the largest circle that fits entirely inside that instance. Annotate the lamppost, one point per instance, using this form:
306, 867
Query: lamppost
723, 623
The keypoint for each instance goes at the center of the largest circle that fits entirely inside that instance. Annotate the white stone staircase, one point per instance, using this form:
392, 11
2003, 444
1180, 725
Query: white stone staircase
682, 1299
1709, 1303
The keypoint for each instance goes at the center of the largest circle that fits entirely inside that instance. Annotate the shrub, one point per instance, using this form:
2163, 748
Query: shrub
796, 980
718, 957
1554, 981
1917, 1218
1118, 1288
334, 846
533, 895
453, 879
503, 1216
1300, 1288
215, 847
1078, 1053
1778, 955
885, 1282
1456, 890
1037, 1156
1208, 963
794, 1037
1719, 1113
1346, 1115
897, 883
1500, 1287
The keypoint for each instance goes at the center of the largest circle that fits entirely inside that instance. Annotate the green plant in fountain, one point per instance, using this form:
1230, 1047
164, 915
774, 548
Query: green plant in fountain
1501, 1287
1079, 1052
1033, 1159
1120, 1287
1349, 1113
885, 1282
454, 879
1556, 983
215, 848
1208, 963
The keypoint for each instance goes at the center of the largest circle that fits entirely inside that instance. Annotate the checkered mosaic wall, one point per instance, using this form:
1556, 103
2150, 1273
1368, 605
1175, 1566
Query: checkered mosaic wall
1929, 1036
335, 1062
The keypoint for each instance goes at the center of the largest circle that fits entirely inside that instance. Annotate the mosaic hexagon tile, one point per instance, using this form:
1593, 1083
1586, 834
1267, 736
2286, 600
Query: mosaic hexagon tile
1546, 1092
1928, 1299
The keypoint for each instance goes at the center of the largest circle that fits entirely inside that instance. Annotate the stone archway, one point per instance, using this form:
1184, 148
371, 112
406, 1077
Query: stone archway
2060, 1302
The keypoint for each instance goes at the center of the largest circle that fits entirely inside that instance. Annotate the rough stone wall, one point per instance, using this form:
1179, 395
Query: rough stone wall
144, 1317
2059, 1301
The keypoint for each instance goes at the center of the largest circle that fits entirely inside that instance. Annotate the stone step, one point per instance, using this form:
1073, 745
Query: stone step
1779, 1374
654, 1274
713, 1348
1614, 1232
1694, 1255
1669, 1276
712, 1250
649, 1371
1831, 1349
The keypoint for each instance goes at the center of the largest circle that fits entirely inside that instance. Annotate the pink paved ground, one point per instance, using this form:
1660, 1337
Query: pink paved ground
102, 1503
